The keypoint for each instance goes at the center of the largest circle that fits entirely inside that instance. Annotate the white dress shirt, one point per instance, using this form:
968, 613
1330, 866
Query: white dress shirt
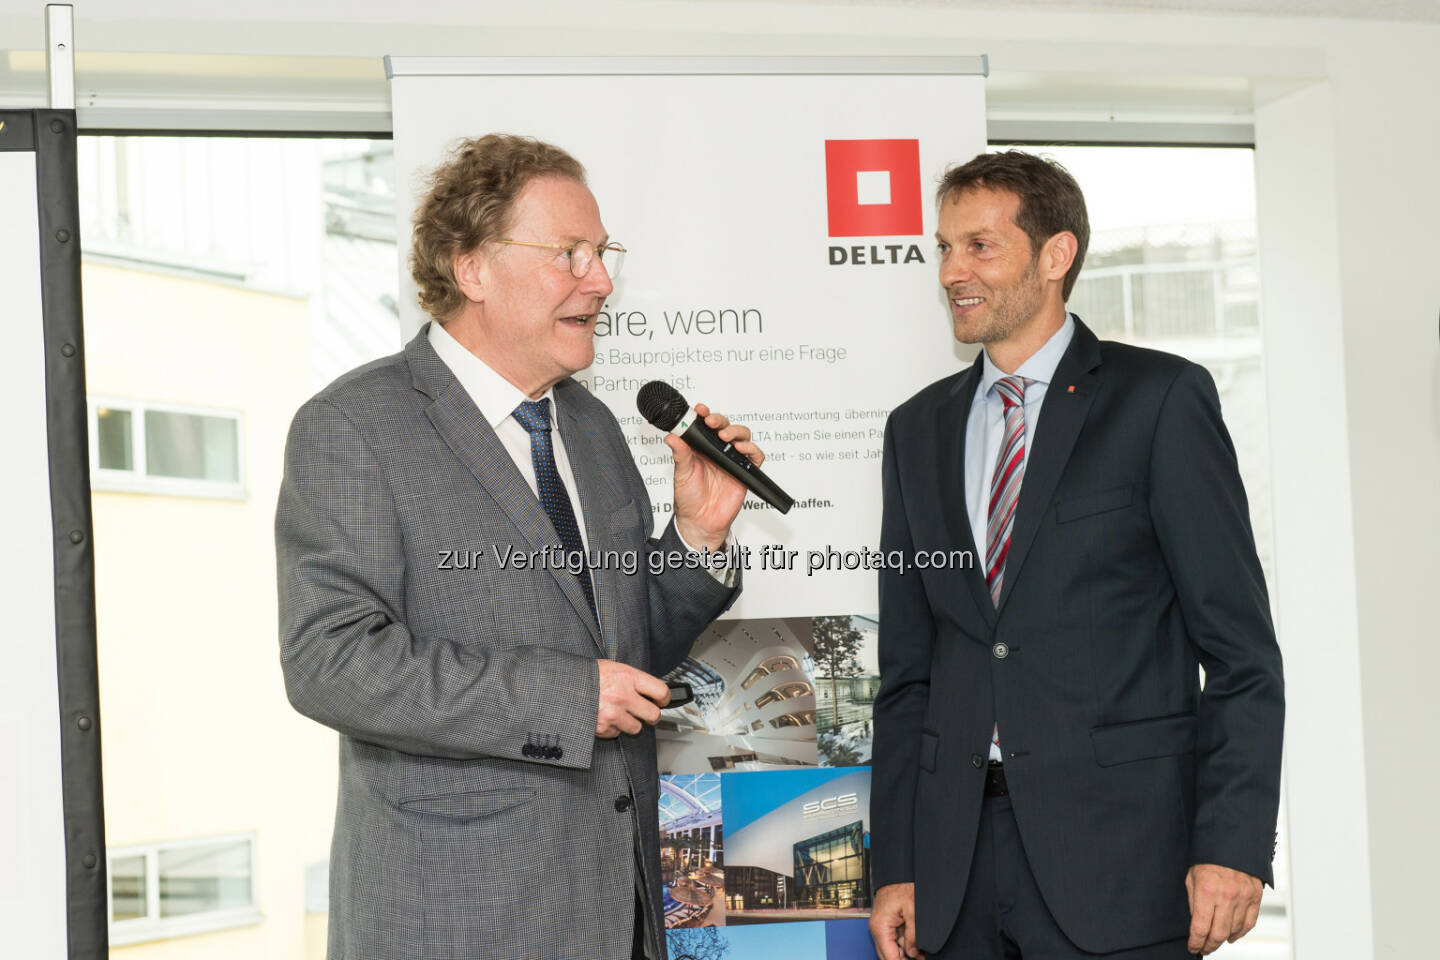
985, 431
497, 399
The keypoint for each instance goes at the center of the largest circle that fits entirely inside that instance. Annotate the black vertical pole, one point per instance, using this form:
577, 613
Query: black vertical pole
59, 208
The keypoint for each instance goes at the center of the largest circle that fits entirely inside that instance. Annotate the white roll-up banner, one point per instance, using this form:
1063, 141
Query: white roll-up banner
52, 892
779, 219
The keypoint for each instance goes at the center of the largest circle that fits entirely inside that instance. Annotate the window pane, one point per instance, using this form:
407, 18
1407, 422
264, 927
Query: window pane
191, 446
1175, 303
204, 878
292, 241
112, 430
127, 888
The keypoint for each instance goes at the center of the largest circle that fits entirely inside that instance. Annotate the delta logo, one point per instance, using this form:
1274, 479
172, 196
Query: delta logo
872, 189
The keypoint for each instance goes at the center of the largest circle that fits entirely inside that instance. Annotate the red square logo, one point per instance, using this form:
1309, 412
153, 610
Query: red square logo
872, 188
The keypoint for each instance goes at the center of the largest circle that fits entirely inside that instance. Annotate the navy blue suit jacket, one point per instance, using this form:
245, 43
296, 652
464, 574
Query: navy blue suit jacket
1132, 564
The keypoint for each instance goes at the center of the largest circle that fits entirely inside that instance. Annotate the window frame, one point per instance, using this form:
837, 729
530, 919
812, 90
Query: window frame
136, 479
154, 927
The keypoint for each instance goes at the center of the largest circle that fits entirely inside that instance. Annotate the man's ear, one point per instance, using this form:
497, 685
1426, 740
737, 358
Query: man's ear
1058, 255
472, 274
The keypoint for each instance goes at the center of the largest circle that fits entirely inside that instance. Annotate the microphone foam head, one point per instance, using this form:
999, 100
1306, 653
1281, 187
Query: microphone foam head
661, 404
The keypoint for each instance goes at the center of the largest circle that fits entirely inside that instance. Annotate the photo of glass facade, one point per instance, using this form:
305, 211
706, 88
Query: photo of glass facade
831, 870
755, 888
797, 845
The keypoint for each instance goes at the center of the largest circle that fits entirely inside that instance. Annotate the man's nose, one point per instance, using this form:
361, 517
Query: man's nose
596, 281
954, 269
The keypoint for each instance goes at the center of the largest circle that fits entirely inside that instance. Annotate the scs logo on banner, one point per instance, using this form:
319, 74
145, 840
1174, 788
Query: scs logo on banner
872, 189
841, 805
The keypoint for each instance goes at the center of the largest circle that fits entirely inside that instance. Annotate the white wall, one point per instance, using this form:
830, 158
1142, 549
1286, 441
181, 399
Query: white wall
1347, 135
1315, 562
1388, 136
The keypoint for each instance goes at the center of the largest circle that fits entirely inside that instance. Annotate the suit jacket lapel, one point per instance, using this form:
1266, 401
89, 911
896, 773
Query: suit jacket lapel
593, 467
1062, 414
465, 430
950, 426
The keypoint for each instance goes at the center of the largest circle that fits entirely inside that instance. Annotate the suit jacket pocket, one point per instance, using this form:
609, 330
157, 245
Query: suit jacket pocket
475, 805
1144, 739
1092, 503
929, 747
475, 850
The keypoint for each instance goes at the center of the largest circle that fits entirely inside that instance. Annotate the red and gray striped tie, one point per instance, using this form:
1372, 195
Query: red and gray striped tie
1005, 484
1005, 491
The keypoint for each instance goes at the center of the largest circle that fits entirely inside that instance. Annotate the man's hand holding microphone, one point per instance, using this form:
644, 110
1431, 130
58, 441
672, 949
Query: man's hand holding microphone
707, 500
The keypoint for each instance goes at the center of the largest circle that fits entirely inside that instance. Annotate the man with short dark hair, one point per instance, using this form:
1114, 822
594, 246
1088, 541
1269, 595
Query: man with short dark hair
446, 603
1051, 779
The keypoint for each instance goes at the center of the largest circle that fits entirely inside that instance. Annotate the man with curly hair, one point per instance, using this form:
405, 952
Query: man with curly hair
445, 532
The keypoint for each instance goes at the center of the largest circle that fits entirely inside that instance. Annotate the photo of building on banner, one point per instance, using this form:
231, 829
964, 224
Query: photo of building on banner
797, 845
847, 677
775, 693
797, 883
754, 706
692, 864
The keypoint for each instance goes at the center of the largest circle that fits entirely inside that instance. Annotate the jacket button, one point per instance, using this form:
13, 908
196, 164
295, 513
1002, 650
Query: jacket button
622, 803
556, 753
528, 750
1001, 651
977, 761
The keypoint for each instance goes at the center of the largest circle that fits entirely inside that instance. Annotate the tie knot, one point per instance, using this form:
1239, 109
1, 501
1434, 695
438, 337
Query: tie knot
1012, 390
534, 415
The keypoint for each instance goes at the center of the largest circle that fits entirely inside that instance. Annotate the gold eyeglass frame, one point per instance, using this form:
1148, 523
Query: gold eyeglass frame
599, 252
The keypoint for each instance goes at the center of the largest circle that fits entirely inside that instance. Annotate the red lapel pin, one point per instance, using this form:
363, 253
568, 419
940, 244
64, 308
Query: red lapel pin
1070, 389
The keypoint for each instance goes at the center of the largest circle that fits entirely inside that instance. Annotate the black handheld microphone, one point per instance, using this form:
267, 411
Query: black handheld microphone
664, 407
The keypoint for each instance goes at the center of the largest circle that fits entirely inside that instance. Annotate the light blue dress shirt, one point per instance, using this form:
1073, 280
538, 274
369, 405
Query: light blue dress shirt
985, 430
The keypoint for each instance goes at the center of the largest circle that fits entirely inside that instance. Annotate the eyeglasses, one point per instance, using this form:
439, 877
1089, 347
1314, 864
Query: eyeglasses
582, 254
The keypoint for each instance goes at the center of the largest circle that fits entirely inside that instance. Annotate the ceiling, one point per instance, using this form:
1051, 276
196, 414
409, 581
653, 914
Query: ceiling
188, 56
1423, 10
459, 12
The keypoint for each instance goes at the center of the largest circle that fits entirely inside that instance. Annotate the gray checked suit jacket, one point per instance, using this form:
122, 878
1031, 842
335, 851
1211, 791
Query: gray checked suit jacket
479, 816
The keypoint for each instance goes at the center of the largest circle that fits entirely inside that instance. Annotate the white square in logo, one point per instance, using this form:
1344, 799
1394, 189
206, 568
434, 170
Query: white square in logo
872, 188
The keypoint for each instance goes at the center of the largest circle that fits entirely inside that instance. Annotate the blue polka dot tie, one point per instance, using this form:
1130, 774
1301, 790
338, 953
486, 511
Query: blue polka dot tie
534, 416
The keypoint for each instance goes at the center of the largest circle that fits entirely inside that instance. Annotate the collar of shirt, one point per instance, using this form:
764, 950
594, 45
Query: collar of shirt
1040, 366
496, 397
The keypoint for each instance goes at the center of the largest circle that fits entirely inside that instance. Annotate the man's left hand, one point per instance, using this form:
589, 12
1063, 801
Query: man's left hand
707, 499
1224, 905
